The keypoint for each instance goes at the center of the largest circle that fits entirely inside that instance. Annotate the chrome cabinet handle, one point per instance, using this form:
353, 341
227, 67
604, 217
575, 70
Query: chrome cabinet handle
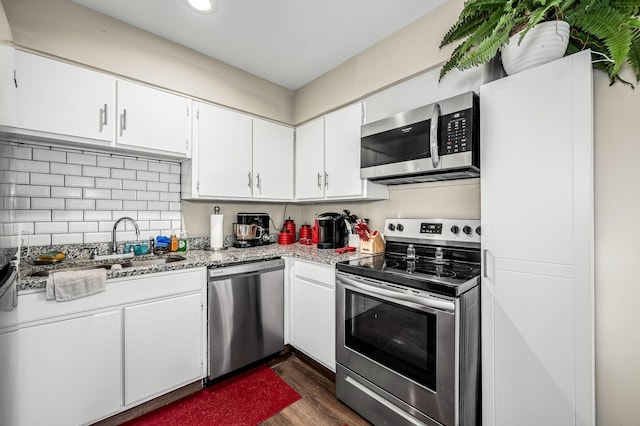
249, 175
103, 117
258, 180
326, 180
433, 136
319, 180
485, 263
123, 122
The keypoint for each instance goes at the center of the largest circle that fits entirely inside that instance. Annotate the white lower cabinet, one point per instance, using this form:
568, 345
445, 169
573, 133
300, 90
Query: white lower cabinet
77, 362
163, 345
65, 372
313, 319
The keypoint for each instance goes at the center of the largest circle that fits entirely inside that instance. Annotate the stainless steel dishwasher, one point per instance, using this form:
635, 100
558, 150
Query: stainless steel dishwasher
246, 314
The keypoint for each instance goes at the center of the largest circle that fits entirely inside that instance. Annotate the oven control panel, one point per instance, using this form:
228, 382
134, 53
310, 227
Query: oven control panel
434, 229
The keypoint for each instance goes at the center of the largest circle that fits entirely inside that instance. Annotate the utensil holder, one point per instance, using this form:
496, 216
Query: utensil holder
374, 245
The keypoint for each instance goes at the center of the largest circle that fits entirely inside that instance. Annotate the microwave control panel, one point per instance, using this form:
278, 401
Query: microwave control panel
457, 131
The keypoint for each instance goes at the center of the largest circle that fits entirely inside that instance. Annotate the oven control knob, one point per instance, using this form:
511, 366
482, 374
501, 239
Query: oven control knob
467, 230
478, 230
400, 227
455, 229
391, 227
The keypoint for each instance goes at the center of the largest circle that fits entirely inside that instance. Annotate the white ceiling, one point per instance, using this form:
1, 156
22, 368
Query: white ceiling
289, 42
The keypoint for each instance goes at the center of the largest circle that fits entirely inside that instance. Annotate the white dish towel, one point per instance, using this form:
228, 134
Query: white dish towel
70, 285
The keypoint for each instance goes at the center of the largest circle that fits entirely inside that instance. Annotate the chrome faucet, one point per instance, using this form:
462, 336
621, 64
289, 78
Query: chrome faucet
114, 247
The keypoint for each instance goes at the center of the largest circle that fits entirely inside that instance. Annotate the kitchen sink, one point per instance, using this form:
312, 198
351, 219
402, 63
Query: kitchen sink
127, 264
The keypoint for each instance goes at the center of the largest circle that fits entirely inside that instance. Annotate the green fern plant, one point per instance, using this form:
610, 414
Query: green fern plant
611, 29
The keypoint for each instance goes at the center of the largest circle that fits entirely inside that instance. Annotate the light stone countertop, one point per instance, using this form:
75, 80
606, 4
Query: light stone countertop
194, 259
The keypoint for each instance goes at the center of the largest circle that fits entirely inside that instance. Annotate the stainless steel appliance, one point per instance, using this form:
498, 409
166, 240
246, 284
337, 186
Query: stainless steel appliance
251, 229
408, 324
332, 231
246, 314
439, 141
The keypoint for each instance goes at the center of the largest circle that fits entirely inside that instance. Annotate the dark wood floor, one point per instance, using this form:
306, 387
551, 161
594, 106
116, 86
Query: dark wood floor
318, 405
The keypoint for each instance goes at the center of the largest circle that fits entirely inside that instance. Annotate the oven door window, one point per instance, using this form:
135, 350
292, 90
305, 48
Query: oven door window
401, 338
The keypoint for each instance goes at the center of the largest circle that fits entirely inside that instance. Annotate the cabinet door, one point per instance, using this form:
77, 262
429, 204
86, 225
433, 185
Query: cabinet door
309, 154
537, 237
7, 87
69, 372
342, 152
224, 159
153, 119
162, 346
314, 331
272, 160
62, 99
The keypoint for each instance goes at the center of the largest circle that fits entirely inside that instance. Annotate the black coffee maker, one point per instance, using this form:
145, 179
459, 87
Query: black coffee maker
332, 231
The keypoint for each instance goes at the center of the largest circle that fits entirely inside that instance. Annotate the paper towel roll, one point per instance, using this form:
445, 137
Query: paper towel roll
217, 238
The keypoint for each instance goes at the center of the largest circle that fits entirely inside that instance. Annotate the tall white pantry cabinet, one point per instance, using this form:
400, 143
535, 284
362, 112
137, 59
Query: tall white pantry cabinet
537, 241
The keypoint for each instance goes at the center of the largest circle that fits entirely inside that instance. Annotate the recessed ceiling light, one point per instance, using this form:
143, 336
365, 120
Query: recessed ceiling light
203, 6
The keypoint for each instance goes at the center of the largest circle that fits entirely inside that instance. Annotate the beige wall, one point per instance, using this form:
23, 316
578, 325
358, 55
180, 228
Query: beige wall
61, 28
66, 30
5, 30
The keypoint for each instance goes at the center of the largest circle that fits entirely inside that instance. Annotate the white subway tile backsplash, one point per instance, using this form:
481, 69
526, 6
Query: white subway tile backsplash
83, 182
83, 227
52, 227
92, 171
148, 195
157, 186
97, 237
66, 169
66, 192
67, 215
123, 174
29, 166
32, 191
132, 164
159, 167
115, 162
117, 194
148, 176
83, 159
72, 196
47, 204
109, 183
166, 177
134, 205
135, 185
102, 194
108, 205
158, 205
43, 154
73, 204
149, 215
47, 179
99, 216
59, 239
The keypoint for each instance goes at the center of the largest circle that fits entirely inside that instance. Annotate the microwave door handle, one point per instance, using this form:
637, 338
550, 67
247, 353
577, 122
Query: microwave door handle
433, 136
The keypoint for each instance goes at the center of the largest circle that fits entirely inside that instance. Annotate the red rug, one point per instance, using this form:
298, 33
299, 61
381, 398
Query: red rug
244, 400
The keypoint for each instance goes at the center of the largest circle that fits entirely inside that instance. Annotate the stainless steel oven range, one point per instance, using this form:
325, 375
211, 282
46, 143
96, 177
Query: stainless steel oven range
408, 326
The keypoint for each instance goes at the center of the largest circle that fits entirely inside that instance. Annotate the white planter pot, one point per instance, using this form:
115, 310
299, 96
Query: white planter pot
544, 43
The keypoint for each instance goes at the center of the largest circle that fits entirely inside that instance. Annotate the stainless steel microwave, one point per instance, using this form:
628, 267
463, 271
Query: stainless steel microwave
439, 141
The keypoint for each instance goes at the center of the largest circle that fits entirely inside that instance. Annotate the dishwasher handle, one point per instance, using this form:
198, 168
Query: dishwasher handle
216, 274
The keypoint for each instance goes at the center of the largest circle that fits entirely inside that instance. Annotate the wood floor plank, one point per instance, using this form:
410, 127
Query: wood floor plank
318, 405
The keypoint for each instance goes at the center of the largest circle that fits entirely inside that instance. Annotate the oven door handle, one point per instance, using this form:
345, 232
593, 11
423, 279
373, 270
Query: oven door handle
429, 302
433, 136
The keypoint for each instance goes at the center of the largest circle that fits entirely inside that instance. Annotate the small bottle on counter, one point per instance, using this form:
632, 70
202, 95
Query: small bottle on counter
182, 242
174, 243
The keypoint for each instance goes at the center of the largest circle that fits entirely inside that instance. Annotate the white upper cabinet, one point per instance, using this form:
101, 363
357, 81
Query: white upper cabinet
537, 240
272, 160
63, 101
7, 88
152, 119
310, 160
328, 158
236, 156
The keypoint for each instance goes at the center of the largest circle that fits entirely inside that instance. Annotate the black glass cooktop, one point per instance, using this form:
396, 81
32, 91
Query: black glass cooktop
449, 277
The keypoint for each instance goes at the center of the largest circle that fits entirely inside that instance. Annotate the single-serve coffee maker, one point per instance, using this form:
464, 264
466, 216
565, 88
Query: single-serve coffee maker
332, 231
251, 229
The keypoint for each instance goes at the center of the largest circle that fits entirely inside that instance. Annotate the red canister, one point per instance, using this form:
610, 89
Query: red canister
285, 237
314, 233
290, 226
305, 234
